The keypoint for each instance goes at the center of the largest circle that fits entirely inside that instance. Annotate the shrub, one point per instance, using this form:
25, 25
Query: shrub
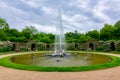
70, 46
118, 47
5, 49
23, 49
100, 48
41, 47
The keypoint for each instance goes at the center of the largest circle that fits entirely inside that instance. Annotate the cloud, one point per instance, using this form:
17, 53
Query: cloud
13, 15
44, 28
99, 9
5, 7
47, 10
80, 3
31, 3
76, 15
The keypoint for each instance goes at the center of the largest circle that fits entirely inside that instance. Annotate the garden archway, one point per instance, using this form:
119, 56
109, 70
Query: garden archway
33, 46
91, 46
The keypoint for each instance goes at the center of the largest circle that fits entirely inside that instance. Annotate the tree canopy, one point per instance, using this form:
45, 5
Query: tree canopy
108, 32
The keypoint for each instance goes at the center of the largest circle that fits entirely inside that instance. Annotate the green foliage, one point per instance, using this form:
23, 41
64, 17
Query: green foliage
3, 24
118, 47
73, 37
19, 39
106, 46
70, 46
117, 30
41, 46
5, 49
101, 48
117, 24
23, 49
93, 34
3, 36
45, 38
29, 31
14, 32
107, 32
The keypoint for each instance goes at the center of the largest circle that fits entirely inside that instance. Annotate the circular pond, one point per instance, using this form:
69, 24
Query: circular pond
77, 59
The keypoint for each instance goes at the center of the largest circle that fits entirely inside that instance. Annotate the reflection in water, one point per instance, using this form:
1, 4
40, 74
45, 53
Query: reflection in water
78, 59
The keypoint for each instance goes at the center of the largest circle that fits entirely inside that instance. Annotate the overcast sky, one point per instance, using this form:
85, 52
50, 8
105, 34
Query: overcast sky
80, 15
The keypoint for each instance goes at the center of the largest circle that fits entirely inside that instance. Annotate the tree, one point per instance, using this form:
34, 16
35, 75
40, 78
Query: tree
75, 37
117, 30
3, 36
51, 37
106, 33
93, 34
14, 32
29, 32
117, 24
4, 27
3, 24
44, 37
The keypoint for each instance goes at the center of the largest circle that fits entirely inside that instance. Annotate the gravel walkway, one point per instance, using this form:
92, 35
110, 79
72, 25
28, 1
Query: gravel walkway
14, 74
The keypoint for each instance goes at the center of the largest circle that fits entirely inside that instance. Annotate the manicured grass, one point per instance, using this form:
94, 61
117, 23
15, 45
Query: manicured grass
7, 63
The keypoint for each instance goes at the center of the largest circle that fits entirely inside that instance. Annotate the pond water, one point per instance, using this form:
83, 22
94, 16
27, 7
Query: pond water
77, 59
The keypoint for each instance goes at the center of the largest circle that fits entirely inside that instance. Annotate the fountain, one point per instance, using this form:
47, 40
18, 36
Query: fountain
59, 39
60, 58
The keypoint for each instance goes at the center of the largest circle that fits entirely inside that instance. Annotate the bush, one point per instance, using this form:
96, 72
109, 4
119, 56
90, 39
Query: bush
118, 47
70, 46
5, 49
106, 47
23, 49
41, 47
100, 49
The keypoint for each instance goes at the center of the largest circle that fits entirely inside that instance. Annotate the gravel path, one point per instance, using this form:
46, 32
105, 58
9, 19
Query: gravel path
14, 74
